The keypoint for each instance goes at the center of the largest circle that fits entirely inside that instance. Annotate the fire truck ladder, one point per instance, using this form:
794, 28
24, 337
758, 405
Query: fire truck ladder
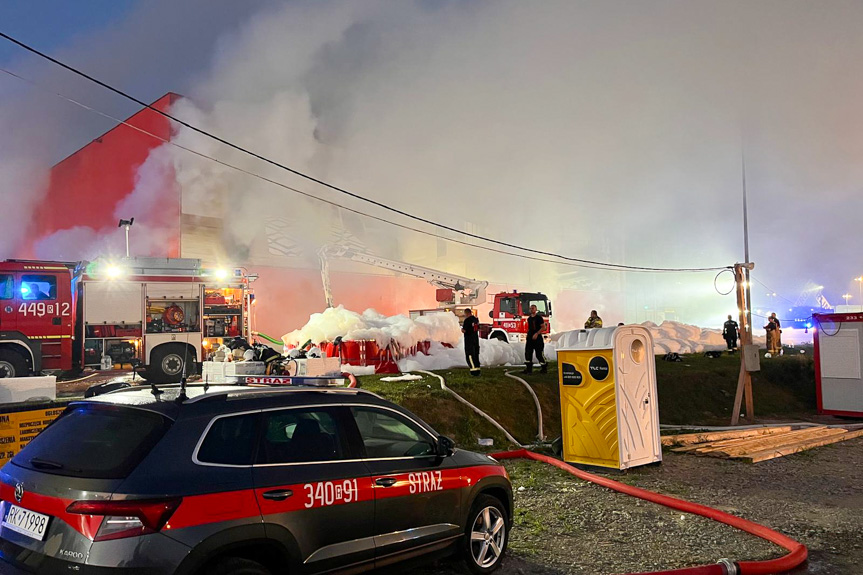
468, 291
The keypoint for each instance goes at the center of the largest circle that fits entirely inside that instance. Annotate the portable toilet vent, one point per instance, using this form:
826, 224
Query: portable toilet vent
608, 404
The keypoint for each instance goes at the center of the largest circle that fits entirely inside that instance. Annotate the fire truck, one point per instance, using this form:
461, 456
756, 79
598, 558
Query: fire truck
509, 313
157, 315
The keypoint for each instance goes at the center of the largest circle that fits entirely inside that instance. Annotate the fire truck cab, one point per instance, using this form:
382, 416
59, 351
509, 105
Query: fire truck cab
510, 313
155, 314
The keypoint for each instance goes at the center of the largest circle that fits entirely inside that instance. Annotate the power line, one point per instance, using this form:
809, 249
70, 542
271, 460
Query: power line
296, 190
337, 188
772, 292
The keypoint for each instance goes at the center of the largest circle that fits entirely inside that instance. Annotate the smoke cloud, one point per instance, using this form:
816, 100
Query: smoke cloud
609, 130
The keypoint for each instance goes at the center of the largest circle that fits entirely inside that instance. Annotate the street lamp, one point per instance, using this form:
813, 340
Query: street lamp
860, 285
847, 296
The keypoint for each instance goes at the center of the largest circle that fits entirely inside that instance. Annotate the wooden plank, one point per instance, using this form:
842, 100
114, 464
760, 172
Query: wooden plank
802, 446
733, 451
773, 443
728, 441
691, 438
760, 440
768, 443
781, 445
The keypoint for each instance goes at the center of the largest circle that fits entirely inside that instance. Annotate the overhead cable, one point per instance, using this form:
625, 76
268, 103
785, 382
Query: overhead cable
341, 190
296, 190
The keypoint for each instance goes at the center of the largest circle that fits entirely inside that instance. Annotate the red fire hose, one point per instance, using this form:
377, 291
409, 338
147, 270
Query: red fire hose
797, 551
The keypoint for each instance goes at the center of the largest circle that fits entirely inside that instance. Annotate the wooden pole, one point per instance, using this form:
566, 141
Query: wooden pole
744, 379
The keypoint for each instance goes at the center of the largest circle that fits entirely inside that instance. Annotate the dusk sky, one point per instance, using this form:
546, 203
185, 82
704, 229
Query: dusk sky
567, 126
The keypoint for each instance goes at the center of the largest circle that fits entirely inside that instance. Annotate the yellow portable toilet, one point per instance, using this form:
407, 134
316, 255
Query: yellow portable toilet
608, 405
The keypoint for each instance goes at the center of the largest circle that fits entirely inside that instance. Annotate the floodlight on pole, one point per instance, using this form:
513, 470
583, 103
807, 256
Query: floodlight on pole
126, 224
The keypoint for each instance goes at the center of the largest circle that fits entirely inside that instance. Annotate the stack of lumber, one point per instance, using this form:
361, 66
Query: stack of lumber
758, 444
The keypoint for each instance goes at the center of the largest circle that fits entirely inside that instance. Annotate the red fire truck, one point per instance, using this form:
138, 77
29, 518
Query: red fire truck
158, 315
509, 313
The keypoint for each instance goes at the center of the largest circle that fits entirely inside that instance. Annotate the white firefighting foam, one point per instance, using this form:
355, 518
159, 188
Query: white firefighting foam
350, 325
676, 337
443, 328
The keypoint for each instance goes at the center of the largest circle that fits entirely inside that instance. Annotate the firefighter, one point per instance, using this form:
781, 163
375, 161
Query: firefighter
470, 329
593, 321
729, 332
534, 343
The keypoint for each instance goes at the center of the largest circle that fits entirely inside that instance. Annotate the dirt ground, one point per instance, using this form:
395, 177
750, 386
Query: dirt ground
567, 526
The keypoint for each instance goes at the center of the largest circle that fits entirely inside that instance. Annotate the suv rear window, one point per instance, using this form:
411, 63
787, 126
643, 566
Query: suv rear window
94, 441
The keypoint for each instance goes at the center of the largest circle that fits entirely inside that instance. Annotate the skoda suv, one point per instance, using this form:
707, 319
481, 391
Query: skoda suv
245, 481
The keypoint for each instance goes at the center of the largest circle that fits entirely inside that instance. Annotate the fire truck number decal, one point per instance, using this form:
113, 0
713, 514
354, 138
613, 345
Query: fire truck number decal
425, 482
41, 309
331, 493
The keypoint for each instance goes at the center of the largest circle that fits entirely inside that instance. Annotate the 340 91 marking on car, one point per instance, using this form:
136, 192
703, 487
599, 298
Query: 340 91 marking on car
331, 493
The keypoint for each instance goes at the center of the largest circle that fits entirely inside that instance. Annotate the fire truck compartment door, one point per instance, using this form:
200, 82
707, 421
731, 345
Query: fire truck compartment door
113, 302
178, 290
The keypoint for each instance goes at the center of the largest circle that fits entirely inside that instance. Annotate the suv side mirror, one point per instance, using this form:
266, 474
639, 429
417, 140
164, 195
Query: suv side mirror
445, 445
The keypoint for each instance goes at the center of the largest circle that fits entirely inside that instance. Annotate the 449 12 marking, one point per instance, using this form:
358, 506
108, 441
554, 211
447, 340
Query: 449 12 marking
41, 309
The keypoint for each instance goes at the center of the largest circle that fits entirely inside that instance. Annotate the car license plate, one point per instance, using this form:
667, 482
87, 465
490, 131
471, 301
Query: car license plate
26, 522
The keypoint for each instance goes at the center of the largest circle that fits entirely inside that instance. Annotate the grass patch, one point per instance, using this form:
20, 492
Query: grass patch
696, 391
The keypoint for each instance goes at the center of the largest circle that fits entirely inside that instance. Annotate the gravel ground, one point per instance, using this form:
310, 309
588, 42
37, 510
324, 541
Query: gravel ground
567, 526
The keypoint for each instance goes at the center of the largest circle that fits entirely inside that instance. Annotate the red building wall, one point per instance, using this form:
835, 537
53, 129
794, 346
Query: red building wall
86, 187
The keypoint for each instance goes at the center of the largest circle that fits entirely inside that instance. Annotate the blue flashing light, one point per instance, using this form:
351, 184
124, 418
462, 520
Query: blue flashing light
25, 289
809, 324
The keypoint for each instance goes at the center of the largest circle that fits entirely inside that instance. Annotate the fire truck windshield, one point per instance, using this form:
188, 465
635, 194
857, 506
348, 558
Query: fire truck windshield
540, 301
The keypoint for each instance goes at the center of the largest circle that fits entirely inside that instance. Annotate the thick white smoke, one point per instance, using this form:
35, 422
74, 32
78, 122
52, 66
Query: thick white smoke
607, 130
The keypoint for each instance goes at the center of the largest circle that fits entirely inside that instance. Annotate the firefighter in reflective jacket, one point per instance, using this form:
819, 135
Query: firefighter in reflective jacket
534, 343
470, 329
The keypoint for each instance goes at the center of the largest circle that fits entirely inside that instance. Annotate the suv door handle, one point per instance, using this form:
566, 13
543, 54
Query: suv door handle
277, 494
385, 481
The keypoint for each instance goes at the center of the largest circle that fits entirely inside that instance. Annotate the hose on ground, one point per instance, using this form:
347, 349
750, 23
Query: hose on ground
796, 555
540, 434
86, 377
797, 552
478, 411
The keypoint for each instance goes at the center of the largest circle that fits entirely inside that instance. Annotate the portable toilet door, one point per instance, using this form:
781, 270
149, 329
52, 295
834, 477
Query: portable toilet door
608, 406
637, 404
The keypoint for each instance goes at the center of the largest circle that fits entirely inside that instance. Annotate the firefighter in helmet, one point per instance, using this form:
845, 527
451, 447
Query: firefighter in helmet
534, 342
594, 321
470, 329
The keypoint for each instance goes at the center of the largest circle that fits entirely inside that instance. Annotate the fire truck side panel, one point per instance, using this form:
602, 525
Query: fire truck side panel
173, 316
114, 302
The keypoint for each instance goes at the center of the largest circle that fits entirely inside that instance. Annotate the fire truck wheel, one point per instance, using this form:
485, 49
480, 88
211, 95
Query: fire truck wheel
499, 335
166, 363
12, 364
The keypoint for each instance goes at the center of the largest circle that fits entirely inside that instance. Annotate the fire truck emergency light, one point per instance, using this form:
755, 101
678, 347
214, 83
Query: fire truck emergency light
113, 271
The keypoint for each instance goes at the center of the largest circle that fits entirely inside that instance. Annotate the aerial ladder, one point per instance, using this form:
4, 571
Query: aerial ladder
453, 290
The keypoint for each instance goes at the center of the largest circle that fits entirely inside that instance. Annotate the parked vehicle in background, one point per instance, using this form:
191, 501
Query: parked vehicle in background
157, 313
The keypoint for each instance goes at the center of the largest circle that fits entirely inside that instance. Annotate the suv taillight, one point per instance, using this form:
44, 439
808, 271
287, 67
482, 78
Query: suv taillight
127, 518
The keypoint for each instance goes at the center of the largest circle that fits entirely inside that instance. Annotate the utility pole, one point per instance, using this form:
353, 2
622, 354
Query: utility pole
744, 380
748, 284
744, 305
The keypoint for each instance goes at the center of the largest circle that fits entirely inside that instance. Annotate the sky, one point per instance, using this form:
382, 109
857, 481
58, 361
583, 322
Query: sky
608, 130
